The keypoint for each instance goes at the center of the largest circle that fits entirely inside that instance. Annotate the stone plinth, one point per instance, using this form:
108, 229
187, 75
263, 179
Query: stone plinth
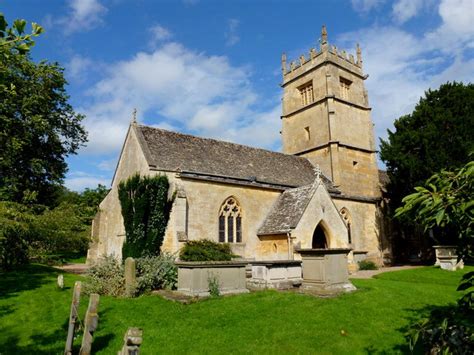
277, 274
325, 270
444, 250
193, 277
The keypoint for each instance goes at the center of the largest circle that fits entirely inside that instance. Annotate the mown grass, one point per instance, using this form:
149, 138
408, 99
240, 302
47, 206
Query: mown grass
34, 315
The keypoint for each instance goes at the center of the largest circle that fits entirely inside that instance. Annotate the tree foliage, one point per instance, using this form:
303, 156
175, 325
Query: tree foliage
446, 200
145, 211
38, 127
14, 40
436, 135
47, 234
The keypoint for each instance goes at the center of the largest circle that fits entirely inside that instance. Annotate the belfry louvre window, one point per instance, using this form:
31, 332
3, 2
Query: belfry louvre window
306, 92
344, 85
230, 222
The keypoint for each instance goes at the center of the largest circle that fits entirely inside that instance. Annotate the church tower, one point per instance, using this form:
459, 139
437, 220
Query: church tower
326, 117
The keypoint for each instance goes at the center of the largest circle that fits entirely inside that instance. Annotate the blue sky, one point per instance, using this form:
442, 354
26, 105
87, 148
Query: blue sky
212, 68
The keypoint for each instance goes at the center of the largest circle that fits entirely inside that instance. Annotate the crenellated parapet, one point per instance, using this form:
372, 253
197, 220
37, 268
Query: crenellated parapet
315, 58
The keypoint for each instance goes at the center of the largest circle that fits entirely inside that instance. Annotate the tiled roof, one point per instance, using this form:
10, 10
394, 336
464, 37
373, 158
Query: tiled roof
171, 151
287, 210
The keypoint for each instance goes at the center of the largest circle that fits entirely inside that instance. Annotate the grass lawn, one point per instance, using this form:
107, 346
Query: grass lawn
34, 316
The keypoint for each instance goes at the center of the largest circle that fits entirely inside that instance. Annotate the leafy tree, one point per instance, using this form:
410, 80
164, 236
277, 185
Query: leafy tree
436, 135
38, 127
14, 39
447, 200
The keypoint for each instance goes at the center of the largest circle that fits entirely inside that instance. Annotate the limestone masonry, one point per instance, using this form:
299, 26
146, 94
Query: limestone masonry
323, 191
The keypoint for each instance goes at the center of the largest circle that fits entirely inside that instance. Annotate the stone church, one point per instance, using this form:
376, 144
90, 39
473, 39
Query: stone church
322, 191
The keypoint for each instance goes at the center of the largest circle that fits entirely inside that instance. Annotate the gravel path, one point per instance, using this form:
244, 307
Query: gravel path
74, 268
368, 274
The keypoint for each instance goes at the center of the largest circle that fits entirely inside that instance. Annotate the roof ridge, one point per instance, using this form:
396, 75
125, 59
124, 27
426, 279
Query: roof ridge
223, 141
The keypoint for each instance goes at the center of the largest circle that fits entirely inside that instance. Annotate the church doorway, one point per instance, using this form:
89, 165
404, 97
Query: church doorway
319, 238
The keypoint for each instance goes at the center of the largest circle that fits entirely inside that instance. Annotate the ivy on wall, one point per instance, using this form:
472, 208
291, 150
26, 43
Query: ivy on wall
145, 211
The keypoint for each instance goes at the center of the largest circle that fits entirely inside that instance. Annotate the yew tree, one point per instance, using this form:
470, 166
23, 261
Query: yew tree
437, 135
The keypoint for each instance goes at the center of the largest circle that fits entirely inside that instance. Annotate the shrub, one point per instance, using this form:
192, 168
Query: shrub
15, 234
206, 250
367, 265
214, 286
448, 330
156, 272
105, 278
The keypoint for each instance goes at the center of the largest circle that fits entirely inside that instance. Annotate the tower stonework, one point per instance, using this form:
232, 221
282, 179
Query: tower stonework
326, 117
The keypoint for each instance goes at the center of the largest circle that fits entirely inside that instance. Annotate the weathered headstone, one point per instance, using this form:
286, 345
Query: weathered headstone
131, 342
61, 281
130, 277
90, 324
76, 295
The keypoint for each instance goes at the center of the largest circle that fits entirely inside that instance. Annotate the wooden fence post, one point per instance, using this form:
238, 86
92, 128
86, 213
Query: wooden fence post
90, 324
131, 342
76, 295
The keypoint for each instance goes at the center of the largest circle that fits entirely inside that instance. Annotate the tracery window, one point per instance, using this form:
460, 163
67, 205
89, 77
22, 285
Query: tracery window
348, 221
306, 92
230, 222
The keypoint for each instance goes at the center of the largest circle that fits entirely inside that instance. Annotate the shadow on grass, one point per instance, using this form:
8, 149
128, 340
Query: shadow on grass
452, 312
26, 277
53, 342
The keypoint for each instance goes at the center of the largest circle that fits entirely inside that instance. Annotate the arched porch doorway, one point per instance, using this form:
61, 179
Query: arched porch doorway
320, 240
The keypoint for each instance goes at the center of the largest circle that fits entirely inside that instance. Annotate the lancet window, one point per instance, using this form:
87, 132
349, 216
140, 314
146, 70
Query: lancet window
230, 222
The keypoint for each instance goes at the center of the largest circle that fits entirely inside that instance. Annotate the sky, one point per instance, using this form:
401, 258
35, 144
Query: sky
212, 68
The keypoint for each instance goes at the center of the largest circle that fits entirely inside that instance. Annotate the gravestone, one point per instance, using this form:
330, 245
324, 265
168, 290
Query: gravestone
130, 277
61, 281
131, 342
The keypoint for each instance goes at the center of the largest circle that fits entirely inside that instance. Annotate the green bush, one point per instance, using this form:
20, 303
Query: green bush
15, 234
367, 265
156, 272
206, 250
214, 285
105, 278
448, 330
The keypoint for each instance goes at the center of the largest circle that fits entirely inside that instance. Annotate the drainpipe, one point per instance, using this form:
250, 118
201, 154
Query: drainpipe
290, 256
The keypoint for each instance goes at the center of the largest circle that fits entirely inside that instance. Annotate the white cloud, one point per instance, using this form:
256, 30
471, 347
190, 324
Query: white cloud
457, 28
83, 15
77, 67
107, 165
79, 180
365, 6
177, 87
231, 34
403, 10
159, 34
402, 65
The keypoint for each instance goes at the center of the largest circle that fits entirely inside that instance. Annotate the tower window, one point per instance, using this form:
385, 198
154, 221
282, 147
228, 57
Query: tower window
306, 93
344, 86
230, 222
308, 133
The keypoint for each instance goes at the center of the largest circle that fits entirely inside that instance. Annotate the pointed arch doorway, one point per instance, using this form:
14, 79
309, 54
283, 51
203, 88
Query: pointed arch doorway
320, 240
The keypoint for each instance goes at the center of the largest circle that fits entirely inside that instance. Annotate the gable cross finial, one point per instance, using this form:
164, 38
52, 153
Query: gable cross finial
317, 173
134, 116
